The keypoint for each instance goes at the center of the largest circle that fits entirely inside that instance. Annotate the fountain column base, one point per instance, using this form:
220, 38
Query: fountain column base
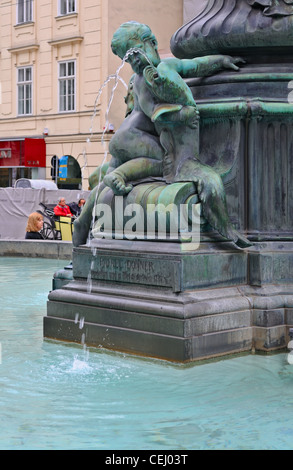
154, 300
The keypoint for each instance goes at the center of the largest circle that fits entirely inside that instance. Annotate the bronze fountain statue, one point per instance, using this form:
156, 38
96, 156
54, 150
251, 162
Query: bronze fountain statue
211, 126
159, 137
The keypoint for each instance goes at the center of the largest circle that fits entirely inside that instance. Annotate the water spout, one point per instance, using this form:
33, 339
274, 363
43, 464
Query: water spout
116, 77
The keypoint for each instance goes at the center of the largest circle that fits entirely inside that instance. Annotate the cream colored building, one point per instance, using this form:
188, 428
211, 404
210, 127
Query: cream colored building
55, 56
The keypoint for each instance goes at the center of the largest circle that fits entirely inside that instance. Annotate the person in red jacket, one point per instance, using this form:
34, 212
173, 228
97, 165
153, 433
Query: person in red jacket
62, 209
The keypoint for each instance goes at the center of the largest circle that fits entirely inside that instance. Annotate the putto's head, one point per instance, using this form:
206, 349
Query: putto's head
139, 36
129, 35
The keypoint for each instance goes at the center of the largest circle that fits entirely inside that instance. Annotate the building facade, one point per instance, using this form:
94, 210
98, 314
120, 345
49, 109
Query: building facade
55, 56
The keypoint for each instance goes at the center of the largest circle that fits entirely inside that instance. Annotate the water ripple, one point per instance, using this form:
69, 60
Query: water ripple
62, 396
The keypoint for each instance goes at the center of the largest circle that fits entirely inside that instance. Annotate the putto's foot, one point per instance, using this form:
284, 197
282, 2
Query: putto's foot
117, 184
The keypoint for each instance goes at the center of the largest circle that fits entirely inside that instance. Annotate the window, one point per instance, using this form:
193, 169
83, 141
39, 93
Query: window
67, 86
24, 88
24, 11
67, 6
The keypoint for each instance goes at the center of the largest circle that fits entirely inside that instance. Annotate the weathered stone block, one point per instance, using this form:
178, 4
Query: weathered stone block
110, 304
269, 339
269, 318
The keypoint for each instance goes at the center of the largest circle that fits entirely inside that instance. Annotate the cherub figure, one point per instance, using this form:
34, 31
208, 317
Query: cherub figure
161, 100
158, 138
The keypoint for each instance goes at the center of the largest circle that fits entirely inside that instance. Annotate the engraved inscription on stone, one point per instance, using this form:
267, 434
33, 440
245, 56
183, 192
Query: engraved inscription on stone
153, 272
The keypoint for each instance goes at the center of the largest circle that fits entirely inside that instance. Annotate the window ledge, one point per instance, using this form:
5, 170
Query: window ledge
24, 24
70, 39
25, 47
66, 15
65, 113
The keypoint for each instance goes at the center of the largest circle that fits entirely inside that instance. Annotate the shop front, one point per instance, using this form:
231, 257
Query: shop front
22, 158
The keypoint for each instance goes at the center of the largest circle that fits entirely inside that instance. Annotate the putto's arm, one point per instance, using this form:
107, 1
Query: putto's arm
203, 66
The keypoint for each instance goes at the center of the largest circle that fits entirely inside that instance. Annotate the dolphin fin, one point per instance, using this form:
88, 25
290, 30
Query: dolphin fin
165, 108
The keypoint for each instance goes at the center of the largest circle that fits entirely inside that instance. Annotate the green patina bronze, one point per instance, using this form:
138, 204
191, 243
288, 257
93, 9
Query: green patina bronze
159, 136
98, 175
165, 299
226, 26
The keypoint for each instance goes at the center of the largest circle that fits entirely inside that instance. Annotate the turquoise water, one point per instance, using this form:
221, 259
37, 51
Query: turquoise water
58, 396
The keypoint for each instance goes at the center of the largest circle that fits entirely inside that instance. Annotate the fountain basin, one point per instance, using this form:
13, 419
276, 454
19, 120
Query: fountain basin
68, 397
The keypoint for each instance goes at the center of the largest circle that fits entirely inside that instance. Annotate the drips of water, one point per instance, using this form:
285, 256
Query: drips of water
80, 366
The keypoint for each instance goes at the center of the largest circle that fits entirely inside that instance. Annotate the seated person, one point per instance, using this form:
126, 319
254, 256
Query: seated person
34, 226
62, 210
76, 208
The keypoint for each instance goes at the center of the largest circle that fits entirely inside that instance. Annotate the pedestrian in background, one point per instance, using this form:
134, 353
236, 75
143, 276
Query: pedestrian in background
34, 226
62, 210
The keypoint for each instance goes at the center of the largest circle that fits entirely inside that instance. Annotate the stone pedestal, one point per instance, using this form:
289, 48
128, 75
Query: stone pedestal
154, 300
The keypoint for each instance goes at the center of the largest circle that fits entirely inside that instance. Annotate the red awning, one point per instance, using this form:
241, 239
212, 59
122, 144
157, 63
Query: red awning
35, 153
26, 152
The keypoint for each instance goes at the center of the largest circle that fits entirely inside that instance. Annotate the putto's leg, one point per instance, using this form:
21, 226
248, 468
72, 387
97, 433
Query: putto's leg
130, 142
133, 170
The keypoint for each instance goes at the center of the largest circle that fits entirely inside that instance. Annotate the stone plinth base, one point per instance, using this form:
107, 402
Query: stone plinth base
156, 300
